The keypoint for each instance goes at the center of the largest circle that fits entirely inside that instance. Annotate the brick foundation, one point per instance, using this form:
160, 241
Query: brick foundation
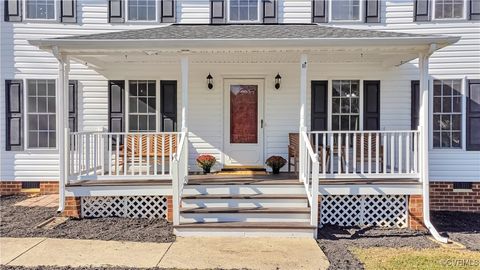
169, 208
72, 207
10, 188
415, 212
443, 198
48, 187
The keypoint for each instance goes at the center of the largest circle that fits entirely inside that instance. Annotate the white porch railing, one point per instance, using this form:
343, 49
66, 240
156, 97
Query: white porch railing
121, 155
366, 154
309, 175
179, 174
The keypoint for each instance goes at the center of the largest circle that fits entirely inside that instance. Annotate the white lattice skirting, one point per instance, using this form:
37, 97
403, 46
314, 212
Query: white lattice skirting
365, 210
125, 206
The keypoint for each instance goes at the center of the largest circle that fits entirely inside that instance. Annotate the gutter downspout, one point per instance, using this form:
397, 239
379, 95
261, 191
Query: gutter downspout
423, 65
63, 133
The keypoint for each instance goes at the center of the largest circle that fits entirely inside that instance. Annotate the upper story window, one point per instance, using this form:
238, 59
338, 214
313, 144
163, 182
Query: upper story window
40, 9
142, 10
345, 10
244, 10
449, 9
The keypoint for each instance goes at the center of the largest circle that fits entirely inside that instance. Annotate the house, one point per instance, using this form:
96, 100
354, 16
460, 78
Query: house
114, 100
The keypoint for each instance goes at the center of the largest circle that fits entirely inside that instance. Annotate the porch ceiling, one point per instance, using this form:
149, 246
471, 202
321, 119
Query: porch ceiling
244, 44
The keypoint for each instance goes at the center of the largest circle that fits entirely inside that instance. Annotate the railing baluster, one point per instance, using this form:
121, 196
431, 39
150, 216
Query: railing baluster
354, 152
362, 152
140, 158
87, 153
163, 154
339, 153
155, 150
385, 158
117, 152
132, 149
392, 153
102, 153
332, 151
148, 154
377, 155
347, 153
125, 157
95, 154
370, 152
407, 152
170, 154
415, 151
110, 154
400, 153
324, 153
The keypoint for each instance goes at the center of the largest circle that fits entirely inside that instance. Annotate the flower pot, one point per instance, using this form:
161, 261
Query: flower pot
275, 170
206, 170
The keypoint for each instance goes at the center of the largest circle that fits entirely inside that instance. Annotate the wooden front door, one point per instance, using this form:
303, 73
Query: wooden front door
243, 122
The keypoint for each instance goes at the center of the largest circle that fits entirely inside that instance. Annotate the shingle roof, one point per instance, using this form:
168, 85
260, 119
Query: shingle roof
256, 31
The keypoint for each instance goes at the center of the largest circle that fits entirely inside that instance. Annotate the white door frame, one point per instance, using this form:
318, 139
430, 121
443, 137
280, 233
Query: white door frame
260, 81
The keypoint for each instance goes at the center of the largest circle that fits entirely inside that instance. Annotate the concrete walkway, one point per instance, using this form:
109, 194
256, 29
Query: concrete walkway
185, 253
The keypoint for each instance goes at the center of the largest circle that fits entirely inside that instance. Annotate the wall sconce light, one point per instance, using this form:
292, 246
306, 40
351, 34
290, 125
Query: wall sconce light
209, 81
278, 80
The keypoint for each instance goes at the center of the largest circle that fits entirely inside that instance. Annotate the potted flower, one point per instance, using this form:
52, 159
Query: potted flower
206, 162
276, 163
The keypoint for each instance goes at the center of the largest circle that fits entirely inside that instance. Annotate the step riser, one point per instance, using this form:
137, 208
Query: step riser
270, 203
243, 217
304, 233
244, 189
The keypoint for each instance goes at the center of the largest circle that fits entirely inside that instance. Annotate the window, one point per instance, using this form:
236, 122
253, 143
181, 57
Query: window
142, 106
40, 9
244, 10
41, 123
345, 10
345, 105
449, 9
447, 113
142, 10
462, 186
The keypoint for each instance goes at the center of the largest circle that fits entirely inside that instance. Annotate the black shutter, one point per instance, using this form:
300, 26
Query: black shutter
14, 115
116, 11
372, 14
473, 115
371, 105
13, 10
474, 9
319, 114
168, 11
415, 104
319, 11
217, 12
68, 10
116, 106
422, 10
270, 11
73, 106
168, 105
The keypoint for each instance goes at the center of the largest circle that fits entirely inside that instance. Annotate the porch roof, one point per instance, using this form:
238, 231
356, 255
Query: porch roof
187, 36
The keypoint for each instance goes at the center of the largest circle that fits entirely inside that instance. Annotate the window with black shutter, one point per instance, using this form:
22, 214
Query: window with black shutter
13, 10
319, 111
73, 106
415, 105
168, 105
217, 12
68, 10
371, 105
473, 115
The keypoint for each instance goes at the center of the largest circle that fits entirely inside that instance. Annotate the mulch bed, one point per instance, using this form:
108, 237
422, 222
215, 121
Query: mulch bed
19, 221
335, 242
460, 227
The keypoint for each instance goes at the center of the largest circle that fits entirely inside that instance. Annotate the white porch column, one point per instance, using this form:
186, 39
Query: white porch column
303, 90
62, 130
184, 69
423, 60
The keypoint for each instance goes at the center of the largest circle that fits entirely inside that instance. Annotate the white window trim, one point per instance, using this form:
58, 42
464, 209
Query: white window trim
361, 15
25, 121
56, 14
464, 17
157, 7
259, 14
463, 143
329, 102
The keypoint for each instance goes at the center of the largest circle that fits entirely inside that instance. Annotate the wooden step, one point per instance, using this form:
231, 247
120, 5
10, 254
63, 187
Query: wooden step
248, 225
243, 196
242, 210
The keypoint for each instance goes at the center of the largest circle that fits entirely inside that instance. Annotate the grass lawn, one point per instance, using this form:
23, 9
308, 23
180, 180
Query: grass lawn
408, 258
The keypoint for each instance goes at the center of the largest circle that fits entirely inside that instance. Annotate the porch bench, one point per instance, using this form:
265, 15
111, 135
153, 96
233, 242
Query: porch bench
141, 146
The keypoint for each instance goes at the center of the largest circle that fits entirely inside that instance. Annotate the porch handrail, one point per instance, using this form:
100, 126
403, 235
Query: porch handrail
116, 155
179, 174
367, 154
309, 175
